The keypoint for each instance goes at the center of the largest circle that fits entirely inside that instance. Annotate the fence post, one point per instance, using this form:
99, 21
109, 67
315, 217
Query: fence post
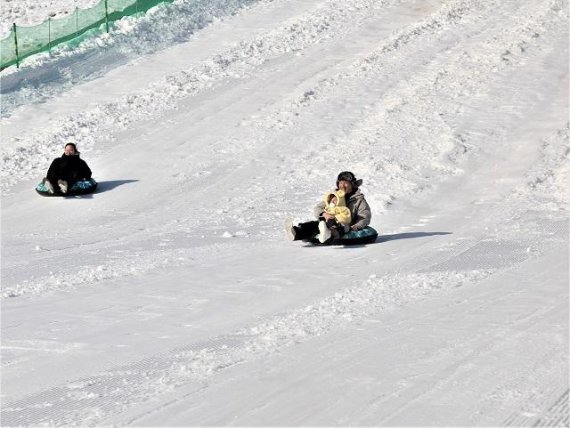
76, 21
106, 16
49, 34
16, 46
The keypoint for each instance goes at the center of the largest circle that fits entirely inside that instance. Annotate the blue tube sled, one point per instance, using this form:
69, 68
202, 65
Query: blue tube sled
368, 235
81, 187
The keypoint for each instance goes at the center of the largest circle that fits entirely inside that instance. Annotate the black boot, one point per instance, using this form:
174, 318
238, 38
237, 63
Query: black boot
307, 230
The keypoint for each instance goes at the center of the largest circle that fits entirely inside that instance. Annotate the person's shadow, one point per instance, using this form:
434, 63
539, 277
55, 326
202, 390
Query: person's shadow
105, 186
408, 235
102, 186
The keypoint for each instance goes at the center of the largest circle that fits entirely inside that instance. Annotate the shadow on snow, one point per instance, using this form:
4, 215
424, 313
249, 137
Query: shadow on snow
408, 235
104, 186
386, 238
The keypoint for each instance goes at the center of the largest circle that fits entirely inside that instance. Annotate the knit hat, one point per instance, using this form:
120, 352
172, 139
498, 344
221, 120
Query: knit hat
348, 176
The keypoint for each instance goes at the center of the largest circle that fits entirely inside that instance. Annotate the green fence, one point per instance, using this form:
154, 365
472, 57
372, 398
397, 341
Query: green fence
25, 41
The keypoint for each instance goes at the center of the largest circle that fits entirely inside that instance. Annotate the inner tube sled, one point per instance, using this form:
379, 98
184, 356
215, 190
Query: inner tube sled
368, 235
81, 187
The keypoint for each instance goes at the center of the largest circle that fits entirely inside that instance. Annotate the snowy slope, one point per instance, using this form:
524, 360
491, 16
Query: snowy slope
170, 296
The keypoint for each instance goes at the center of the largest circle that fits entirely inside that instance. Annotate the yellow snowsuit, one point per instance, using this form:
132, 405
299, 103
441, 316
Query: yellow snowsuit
339, 209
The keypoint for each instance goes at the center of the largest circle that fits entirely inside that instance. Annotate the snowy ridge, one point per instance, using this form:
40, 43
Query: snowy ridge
95, 398
549, 175
119, 266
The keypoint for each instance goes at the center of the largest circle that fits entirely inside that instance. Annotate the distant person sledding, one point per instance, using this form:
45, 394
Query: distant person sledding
67, 175
343, 217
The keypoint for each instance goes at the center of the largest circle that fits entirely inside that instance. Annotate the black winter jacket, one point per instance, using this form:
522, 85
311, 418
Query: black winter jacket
68, 168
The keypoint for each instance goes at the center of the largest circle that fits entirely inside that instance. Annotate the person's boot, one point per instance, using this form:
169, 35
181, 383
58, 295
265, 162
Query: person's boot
324, 232
290, 230
49, 186
62, 185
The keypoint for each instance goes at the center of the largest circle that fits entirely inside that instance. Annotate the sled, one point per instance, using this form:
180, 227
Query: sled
81, 187
368, 235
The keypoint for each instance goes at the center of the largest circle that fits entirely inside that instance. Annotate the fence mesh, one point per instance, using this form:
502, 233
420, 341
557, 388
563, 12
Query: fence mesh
24, 41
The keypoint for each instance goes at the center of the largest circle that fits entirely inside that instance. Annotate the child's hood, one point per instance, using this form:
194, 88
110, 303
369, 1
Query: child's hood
340, 196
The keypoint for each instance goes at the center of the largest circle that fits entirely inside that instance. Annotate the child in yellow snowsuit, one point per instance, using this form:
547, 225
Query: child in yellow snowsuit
335, 205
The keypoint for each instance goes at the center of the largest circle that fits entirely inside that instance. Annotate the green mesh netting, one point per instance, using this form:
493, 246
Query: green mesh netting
92, 17
22, 42
119, 5
7, 50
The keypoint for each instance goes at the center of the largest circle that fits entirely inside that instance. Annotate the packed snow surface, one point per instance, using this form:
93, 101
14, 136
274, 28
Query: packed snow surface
172, 297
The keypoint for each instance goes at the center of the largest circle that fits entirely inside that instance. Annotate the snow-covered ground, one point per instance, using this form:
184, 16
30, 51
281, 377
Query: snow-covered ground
171, 297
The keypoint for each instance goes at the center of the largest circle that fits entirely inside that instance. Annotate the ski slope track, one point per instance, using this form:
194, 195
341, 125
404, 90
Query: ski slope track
171, 297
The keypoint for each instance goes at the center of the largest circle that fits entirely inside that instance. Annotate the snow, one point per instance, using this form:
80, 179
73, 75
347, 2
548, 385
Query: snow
29, 13
171, 296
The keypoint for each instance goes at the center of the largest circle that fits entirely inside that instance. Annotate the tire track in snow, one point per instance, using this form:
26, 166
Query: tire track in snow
543, 411
557, 415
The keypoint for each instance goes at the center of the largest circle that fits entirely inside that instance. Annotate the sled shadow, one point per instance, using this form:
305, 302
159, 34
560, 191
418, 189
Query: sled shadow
105, 186
382, 238
408, 235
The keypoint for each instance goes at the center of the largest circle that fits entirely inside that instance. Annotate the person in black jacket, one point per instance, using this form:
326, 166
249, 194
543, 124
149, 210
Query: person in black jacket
66, 170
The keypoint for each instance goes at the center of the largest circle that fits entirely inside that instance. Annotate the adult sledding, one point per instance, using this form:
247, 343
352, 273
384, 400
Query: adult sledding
343, 217
67, 175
